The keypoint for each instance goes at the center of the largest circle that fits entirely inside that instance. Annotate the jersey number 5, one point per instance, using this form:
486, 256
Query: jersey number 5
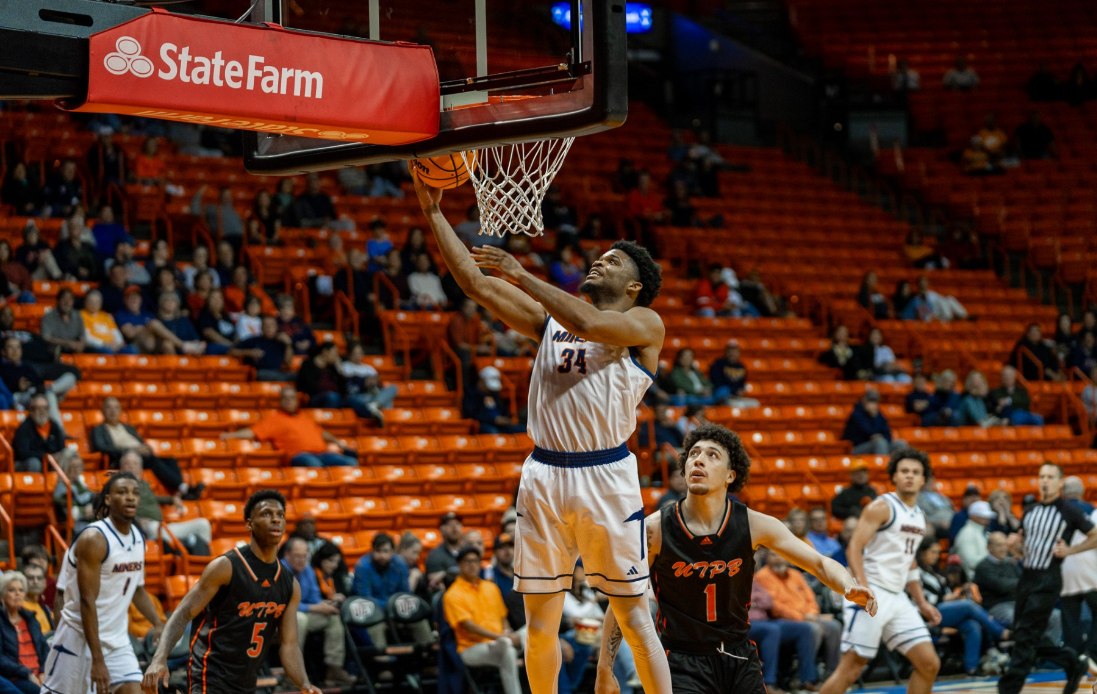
580, 357
256, 640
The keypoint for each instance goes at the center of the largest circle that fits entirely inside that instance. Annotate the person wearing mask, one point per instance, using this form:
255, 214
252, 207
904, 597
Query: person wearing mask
849, 502
317, 614
23, 649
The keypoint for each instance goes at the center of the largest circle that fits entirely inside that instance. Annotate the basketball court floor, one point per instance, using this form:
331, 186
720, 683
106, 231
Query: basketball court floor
1038, 683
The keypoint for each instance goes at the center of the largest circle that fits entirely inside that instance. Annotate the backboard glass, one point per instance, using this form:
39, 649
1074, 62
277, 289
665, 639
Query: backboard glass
487, 51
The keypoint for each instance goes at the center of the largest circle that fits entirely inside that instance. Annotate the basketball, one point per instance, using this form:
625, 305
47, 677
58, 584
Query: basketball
446, 171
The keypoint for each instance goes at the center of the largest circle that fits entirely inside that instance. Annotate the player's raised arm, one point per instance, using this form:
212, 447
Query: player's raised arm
217, 574
769, 532
509, 303
624, 326
91, 551
289, 650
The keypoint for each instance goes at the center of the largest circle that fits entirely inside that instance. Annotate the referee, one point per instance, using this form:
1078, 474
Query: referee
1045, 528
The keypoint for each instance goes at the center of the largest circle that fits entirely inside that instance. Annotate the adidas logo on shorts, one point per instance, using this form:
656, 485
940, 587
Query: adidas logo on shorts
632, 572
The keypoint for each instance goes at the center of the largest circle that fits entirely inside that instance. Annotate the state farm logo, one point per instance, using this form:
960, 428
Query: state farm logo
127, 58
178, 63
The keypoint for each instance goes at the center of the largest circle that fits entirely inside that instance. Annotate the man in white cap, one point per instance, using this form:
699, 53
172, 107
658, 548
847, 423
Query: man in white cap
971, 542
486, 405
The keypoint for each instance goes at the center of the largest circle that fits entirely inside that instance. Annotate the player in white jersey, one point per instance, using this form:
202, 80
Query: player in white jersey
881, 555
580, 493
102, 572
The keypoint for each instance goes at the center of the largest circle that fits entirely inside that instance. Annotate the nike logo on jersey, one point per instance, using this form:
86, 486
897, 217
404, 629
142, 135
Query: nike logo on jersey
714, 568
632, 571
128, 566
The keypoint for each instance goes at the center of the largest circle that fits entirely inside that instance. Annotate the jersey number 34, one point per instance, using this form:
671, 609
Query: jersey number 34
580, 361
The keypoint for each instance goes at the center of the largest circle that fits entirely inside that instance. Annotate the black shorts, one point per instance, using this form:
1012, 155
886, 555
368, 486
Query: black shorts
737, 670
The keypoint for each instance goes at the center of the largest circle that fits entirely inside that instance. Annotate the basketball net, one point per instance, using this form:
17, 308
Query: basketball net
511, 181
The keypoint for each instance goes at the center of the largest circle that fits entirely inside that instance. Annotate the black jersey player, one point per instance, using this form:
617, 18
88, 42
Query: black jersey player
244, 601
701, 554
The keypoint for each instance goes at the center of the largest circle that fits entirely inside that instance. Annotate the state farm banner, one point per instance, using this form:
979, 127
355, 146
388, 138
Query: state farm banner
264, 78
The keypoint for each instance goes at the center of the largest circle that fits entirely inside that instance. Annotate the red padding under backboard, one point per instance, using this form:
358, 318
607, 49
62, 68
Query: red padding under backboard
264, 78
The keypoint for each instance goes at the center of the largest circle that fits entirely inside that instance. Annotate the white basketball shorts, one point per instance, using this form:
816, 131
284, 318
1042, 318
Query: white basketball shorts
897, 622
68, 665
587, 505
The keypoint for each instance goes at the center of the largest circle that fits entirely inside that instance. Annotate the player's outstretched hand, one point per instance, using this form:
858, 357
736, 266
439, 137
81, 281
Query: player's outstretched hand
606, 683
429, 196
863, 596
496, 259
156, 673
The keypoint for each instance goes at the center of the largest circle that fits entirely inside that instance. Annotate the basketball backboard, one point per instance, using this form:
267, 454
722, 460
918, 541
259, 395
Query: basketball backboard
508, 73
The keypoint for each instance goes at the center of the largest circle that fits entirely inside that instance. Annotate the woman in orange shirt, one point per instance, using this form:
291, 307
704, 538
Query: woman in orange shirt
149, 168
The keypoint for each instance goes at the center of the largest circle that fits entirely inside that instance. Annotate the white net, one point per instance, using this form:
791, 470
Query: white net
511, 181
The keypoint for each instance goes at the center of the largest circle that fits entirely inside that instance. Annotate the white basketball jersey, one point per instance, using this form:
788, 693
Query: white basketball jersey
583, 395
890, 553
122, 571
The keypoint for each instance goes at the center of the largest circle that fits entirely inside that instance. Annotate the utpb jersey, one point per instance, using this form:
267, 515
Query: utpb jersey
890, 553
702, 582
122, 571
583, 395
234, 632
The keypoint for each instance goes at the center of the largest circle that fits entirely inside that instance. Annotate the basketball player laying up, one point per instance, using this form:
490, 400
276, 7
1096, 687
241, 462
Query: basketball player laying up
701, 554
881, 553
580, 492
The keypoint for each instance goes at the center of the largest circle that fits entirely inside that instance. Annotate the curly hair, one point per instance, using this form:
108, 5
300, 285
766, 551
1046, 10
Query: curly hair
738, 460
648, 272
912, 454
102, 510
261, 496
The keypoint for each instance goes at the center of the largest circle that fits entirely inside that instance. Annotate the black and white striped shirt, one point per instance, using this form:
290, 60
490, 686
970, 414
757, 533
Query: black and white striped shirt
1043, 525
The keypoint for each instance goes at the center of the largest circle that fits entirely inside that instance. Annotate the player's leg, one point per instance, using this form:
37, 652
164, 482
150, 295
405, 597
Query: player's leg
1030, 616
638, 629
850, 667
926, 665
125, 672
543, 613
67, 669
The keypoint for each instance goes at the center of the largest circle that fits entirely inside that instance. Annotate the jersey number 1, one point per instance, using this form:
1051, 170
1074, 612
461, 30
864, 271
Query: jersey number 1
710, 602
256, 640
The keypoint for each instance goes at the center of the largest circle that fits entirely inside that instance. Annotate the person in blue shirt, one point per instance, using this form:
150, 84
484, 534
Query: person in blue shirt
502, 560
380, 575
270, 352
817, 533
867, 428
314, 613
378, 246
